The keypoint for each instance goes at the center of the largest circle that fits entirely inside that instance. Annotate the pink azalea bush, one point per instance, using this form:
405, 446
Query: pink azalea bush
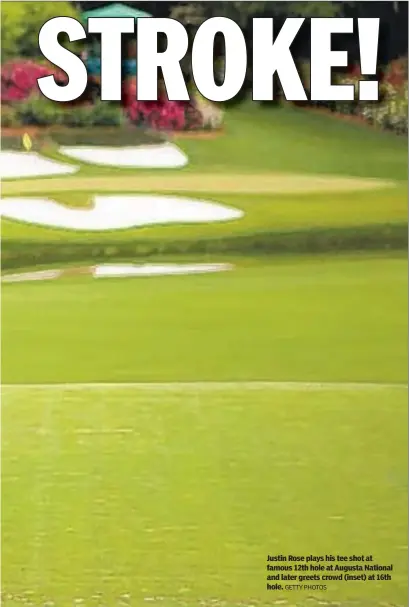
161, 114
19, 79
20, 92
166, 116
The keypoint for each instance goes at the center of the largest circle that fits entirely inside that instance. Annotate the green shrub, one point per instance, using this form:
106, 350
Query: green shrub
390, 112
21, 22
39, 111
100, 113
348, 108
9, 117
105, 114
77, 117
106, 135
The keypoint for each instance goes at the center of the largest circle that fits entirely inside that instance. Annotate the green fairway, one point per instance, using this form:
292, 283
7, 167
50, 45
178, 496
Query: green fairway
163, 435
302, 319
175, 495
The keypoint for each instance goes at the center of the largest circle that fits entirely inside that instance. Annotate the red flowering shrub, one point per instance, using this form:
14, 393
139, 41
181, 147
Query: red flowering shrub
19, 79
167, 116
19, 85
161, 114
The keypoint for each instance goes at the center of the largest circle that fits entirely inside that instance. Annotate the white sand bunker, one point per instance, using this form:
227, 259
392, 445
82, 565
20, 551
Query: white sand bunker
29, 276
120, 271
14, 165
116, 212
163, 156
128, 270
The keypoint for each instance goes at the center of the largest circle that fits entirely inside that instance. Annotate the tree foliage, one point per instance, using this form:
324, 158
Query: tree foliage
22, 21
194, 13
307, 9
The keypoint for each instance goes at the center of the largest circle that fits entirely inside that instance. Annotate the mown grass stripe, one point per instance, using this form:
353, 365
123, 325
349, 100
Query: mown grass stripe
267, 183
296, 386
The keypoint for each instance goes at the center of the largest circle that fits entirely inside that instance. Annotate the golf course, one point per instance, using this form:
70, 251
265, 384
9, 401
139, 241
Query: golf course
204, 363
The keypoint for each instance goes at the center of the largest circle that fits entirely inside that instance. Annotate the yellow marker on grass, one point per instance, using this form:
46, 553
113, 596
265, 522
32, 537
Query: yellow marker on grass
27, 143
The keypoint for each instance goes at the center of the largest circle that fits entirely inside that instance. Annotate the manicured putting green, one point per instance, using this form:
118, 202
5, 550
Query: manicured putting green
174, 495
319, 319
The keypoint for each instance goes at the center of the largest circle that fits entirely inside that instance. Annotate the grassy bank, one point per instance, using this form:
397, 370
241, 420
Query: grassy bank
272, 223
281, 319
288, 139
267, 153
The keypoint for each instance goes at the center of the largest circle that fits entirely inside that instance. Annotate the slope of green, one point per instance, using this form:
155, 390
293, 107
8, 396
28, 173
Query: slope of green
291, 140
298, 141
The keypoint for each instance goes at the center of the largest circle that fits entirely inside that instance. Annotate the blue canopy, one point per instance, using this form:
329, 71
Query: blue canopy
115, 10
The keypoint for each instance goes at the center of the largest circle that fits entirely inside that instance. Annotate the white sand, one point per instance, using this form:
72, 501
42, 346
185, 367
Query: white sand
14, 165
163, 156
122, 270
39, 275
116, 212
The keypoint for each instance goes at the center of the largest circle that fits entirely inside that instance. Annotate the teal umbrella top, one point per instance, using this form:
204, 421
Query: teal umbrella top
115, 10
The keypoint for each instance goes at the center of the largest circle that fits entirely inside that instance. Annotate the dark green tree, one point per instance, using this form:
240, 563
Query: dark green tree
22, 21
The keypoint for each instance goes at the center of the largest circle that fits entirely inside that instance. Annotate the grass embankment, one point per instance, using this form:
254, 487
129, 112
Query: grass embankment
287, 140
306, 223
285, 169
301, 319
